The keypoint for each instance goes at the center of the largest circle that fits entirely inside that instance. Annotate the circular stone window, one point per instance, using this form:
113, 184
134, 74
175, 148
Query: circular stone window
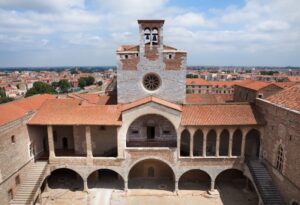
151, 81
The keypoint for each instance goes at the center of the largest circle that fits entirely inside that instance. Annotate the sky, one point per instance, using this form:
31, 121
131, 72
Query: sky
88, 32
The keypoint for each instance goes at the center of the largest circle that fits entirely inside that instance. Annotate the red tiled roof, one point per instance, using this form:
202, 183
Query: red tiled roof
289, 98
294, 78
233, 114
285, 84
208, 98
71, 112
196, 81
14, 110
151, 99
255, 85
92, 98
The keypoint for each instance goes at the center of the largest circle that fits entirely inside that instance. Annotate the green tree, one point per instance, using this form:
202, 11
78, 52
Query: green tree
86, 81
82, 82
2, 93
5, 99
64, 85
55, 84
100, 83
40, 88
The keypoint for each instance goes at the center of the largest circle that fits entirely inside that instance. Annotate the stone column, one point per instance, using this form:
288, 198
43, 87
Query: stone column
243, 142
178, 141
176, 186
204, 142
219, 131
230, 143
50, 141
126, 186
212, 185
88, 139
85, 185
192, 132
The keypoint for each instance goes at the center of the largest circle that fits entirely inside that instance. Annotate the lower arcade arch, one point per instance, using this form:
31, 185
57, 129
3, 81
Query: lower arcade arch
105, 178
64, 178
151, 174
232, 182
194, 179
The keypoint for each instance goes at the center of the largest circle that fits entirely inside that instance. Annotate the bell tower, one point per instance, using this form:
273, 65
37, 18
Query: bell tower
151, 68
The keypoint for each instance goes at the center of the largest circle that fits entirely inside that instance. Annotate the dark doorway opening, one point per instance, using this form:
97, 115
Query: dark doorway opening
65, 143
150, 132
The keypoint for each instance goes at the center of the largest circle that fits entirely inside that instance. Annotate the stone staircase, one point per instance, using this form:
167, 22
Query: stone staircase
263, 181
26, 192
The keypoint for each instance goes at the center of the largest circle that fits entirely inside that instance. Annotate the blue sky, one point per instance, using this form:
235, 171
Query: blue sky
87, 32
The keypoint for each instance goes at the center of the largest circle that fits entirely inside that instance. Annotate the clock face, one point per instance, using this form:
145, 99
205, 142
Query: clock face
151, 81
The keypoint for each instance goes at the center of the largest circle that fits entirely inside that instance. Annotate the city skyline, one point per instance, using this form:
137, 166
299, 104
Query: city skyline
87, 33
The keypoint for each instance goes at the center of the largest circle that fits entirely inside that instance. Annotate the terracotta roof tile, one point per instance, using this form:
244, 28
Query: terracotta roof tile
255, 85
208, 98
71, 112
151, 99
196, 81
289, 98
14, 110
234, 114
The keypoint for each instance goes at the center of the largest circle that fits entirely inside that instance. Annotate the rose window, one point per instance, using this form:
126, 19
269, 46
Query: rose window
151, 82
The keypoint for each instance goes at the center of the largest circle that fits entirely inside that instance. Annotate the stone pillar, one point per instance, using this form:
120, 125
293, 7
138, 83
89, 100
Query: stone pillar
176, 186
126, 186
218, 142
204, 142
46, 189
243, 143
178, 141
85, 185
192, 132
88, 139
51, 141
230, 143
212, 185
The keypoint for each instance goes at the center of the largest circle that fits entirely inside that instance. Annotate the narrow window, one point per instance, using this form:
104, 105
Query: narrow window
170, 56
126, 56
13, 139
17, 180
150, 132
280, 159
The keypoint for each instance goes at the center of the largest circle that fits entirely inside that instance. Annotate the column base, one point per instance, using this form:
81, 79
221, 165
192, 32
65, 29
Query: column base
213, 192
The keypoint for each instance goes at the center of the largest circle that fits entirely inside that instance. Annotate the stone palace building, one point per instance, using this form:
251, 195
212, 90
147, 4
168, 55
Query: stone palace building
150, 133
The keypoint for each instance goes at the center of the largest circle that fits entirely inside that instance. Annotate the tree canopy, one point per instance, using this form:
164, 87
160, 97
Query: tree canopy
40, 88
86, 81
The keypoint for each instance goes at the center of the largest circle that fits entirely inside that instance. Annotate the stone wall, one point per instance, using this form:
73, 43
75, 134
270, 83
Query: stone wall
282, 128
15, 159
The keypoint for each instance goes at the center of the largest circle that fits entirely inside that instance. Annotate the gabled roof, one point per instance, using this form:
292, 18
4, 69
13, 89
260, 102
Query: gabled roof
256, 85
233, 114
288, 98
206, 99
71, 112
151, 99
14, 110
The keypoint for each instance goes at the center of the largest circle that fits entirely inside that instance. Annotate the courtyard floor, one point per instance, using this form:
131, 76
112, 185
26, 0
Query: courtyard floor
229, 195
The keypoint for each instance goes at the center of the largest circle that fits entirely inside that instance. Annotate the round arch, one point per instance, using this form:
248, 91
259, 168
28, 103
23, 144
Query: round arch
194, 179
105, 178
232, 182
151, 130
65, 178
185, 138
151, 173
252, 144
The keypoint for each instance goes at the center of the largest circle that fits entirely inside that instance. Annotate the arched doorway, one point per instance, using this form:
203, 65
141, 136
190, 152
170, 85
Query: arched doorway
235, 188
151, 131
237, 142
198, 143
105, 178
194, 180
224, 143
151, 174
252, 144
185, 143
65, 179
211, 143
